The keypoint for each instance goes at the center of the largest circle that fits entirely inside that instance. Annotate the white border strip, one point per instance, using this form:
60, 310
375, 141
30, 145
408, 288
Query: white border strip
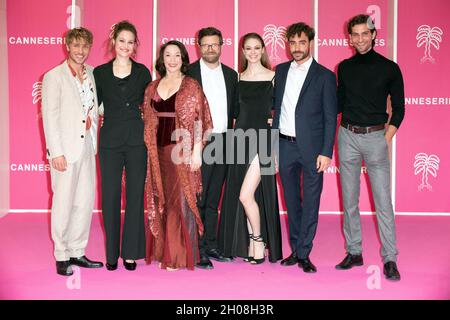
72, 17
236, 34
394, 139
429, 214
368, 213
395, 31
42, 211
155, 36
236, 50
363, 213
316, 27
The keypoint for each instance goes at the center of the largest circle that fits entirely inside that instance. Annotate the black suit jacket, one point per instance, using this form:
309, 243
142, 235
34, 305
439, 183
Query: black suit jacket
231, 81
122, 114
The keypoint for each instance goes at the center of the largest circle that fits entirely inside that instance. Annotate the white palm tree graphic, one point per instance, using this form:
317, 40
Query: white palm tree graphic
37, 92
274, 36
111, 33
429, 37
427, 165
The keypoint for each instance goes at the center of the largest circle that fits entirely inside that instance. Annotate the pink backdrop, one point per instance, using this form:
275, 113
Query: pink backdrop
113, 11
181, 20
426, 128
423, 132
29, 179
333, 48
273, 26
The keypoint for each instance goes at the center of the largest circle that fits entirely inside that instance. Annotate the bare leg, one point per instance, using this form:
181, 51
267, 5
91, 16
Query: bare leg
247, 198
251, 246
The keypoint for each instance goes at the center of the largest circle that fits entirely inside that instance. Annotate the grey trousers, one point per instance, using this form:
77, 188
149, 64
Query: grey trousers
373, 149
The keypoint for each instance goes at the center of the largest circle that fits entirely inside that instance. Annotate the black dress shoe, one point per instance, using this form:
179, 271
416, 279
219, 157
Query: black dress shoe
390, 271
84, 262
204, 263
350, 261
111, 267
217, 255
63, 268
307, 265
131, 266
291, 260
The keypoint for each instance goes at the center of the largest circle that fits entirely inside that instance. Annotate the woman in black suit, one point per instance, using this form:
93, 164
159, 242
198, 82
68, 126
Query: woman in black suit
120, 87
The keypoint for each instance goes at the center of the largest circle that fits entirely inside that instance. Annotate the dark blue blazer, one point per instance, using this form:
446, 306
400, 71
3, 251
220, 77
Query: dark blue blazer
316, 110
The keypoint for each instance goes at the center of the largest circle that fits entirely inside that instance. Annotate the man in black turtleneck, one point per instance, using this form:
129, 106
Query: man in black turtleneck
365, 82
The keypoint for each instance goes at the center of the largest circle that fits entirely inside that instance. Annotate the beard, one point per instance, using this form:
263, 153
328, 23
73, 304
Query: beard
211, 58
303, 55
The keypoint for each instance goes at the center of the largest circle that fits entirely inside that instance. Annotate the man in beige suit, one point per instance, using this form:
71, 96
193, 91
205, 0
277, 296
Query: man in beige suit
70, 114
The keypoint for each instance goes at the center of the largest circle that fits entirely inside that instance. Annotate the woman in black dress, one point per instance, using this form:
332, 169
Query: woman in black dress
250, 219
120, 87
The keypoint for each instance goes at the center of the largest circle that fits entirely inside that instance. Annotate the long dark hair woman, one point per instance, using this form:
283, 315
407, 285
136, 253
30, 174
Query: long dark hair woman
174, 103
250, 221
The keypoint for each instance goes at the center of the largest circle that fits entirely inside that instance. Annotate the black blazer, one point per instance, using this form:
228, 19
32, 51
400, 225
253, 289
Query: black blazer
316, 110
122, 114
231, 81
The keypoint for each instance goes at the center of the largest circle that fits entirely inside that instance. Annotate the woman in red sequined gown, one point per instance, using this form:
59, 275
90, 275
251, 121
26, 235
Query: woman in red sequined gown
176, 118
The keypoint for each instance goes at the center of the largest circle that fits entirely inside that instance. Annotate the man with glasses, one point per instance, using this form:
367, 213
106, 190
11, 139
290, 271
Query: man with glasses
219, 84
365, 81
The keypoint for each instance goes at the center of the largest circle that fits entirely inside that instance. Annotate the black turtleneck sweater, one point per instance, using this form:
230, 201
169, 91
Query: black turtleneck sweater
364, 83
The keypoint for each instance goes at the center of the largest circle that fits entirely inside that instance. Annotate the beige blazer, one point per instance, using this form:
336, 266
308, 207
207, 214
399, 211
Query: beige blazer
63, 115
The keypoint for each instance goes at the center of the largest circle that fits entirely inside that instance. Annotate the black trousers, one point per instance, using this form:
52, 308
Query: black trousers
303, 213
213, 177
112, 162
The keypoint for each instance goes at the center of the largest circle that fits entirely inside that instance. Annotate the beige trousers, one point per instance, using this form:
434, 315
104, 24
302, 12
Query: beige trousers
73, 202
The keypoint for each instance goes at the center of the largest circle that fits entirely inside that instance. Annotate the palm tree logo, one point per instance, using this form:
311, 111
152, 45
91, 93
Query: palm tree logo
36, 94
427, 36
111, 31
426, 165
275, 37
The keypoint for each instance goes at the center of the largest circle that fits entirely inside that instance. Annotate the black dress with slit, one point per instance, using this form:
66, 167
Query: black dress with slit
252, 136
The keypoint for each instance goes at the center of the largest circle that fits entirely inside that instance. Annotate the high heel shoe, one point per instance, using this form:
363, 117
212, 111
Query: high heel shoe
249, 258
259, 239
129, 265
172, 269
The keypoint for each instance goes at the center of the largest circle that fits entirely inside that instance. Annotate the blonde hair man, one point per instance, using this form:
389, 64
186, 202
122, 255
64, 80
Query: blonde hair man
70, 115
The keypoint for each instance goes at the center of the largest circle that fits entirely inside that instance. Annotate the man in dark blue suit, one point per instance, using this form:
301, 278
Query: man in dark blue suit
305, 113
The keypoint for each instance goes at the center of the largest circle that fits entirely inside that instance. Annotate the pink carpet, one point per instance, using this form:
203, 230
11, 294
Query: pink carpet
28, 270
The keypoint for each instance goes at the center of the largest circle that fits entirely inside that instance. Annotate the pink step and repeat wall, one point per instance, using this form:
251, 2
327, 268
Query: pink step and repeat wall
422, 151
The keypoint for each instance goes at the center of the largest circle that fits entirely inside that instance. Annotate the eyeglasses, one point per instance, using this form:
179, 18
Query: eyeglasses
213, 46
